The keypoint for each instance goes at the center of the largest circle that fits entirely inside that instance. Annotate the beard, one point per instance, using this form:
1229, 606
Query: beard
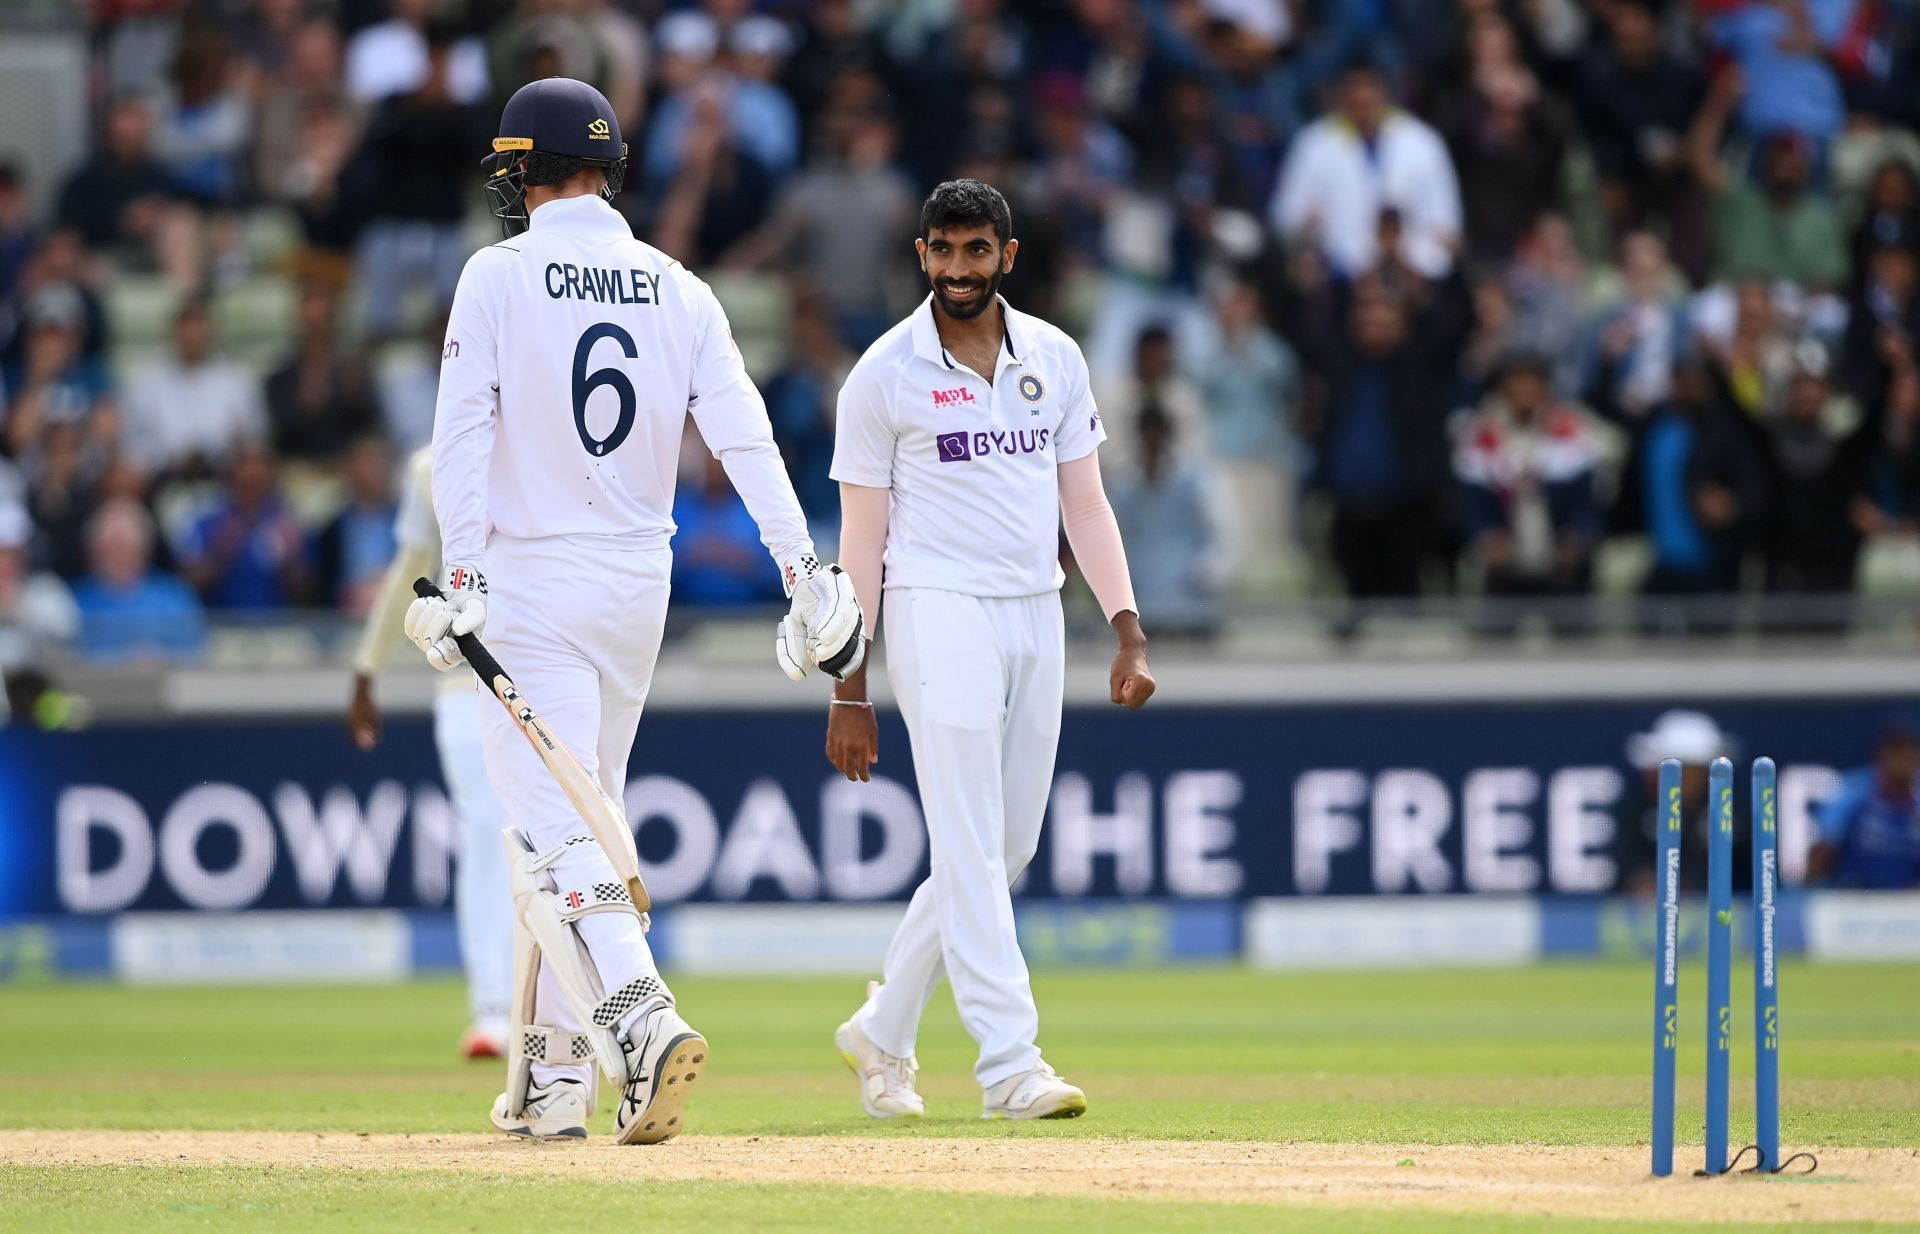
969, 309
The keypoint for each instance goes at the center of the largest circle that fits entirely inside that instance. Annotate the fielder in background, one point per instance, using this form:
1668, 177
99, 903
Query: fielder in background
964, 436
481, 902
573, 355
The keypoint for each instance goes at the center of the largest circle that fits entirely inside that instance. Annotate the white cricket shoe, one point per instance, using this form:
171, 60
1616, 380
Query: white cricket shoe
556, 1112
663, 1061
886, 1080
1036, 1094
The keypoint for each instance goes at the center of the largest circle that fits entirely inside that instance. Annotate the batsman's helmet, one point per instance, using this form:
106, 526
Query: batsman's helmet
550, 130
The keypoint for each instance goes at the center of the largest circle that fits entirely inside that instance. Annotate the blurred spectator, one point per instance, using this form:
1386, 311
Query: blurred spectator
842, 226
1777, 229
1891, 216
130, 612
201, 129
188, 411
719, 196
1631, 349
1870, 829
1784, 79
122, 199
1160, 500
396, 57
54, 385
1249, 386
800, 403
416, 167
37, 612
289, 99
351, 553
1507, 142
18, 236
1883, 320
320, 399
73, 476
61, 270
1888, 499
1638, 100
1158, 380
1816, 464
1697, 485
763, 118
1366, 157
1756, 354
1527, 465
1546, 285
832, 46
1382, 444
717, 557
246, 552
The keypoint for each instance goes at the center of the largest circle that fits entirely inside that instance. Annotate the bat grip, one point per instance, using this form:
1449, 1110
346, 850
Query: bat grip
484, 665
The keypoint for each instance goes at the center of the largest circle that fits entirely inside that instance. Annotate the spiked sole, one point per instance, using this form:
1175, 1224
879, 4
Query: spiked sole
680, 1065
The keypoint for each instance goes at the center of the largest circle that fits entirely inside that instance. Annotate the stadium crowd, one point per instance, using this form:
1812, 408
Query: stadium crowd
1390, 296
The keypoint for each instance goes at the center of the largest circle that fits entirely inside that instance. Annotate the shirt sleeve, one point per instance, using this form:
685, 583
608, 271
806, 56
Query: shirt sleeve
464, 416
863, 432
733, 422
1081, 430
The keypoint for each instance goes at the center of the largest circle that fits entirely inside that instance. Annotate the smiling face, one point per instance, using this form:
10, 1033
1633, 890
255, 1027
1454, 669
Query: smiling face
964, 264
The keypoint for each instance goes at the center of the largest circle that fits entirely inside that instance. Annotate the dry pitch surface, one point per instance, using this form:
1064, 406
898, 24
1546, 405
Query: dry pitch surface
1860, 1185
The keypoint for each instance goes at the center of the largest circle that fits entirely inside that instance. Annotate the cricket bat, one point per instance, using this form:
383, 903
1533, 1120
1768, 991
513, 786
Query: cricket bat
606, 819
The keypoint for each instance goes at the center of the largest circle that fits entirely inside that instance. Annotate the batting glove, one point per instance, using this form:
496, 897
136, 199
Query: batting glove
824, 626
434, 623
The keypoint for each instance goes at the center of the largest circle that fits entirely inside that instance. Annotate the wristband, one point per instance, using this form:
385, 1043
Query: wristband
851, 702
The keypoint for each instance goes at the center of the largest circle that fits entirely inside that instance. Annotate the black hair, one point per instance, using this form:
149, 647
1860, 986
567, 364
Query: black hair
966, 203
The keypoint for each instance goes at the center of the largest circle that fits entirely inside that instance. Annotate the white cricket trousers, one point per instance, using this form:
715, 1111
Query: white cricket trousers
979, 683
482, 903
578, 629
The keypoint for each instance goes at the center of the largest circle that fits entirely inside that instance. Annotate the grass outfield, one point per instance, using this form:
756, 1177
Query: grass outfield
1252, 1085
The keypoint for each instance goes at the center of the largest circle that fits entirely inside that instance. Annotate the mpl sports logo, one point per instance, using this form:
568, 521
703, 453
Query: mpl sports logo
962, 447
947, 398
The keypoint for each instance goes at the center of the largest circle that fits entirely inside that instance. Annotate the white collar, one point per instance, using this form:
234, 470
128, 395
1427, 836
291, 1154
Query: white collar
588, 214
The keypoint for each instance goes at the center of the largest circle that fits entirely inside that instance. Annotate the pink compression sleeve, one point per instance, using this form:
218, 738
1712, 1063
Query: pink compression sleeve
1095, 536
863, 545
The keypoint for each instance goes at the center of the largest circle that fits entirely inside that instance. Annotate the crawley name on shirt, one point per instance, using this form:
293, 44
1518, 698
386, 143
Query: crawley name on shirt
564, 279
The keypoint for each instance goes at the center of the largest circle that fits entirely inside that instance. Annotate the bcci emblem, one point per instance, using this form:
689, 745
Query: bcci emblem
600, 130
1031, 389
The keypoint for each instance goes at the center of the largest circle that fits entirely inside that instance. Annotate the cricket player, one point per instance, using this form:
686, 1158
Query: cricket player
481, 901
573, 355
964, 435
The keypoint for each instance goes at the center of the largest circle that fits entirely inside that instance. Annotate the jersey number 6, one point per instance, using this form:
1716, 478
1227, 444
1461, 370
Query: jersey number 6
585, 383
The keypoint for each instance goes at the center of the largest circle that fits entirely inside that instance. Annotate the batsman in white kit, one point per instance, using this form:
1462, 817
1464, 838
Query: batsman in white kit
573, 355
965, 437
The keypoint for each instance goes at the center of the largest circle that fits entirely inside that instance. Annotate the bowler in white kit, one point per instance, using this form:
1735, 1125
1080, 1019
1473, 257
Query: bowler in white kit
965, 437
573, 355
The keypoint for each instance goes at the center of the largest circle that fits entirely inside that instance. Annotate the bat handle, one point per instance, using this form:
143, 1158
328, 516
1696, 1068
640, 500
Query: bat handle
484, 665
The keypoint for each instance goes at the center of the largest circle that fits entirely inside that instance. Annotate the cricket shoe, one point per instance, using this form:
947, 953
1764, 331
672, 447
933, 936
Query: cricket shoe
886, 1080
556, 1112
663, 1061
485, 1039
1034, 1094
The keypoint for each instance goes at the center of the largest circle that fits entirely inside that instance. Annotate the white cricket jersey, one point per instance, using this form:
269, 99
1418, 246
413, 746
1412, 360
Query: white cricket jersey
573, 354
972, 463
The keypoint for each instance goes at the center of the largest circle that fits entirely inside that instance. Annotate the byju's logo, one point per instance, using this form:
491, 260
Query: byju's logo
959, 447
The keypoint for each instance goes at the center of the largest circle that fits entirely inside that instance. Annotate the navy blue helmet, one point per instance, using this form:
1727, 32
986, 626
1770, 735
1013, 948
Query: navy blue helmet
551, 129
